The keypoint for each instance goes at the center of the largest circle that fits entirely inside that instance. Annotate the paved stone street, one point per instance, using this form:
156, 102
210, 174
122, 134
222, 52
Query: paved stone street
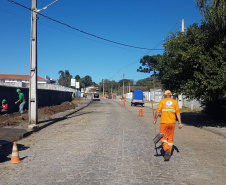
107, 143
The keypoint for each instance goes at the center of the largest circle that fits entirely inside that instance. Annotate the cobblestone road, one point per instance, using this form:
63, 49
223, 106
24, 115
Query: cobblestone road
107, 143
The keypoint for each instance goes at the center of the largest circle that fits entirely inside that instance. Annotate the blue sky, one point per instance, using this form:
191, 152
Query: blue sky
142, 23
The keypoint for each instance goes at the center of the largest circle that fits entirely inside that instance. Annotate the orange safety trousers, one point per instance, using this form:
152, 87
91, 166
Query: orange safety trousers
167, 140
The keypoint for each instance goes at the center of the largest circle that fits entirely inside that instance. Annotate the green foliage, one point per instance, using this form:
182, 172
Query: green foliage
192, 64
126, 82
149, 64
65, 78
150, 83
109, 86
77, 78
85, 81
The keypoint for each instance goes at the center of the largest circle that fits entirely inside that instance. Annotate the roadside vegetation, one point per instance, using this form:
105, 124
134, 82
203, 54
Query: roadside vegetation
194, 61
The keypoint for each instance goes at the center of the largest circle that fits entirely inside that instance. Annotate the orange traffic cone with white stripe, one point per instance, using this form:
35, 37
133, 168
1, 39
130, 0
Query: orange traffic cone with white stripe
124, 103
15, 155
141, 112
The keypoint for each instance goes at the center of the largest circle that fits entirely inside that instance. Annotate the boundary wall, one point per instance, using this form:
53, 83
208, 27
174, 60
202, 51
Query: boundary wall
46, 97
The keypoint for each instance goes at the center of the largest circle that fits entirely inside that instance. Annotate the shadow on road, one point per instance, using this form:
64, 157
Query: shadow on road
200, 120
161, 151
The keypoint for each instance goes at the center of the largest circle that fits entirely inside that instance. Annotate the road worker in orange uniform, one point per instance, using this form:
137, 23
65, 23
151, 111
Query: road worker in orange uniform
168, 108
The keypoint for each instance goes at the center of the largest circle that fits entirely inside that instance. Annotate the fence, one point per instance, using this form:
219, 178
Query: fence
157, 95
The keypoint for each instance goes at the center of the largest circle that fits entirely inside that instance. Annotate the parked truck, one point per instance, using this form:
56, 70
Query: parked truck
137, 98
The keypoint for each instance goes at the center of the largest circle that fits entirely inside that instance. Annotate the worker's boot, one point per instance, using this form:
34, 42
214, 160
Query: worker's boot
167, 155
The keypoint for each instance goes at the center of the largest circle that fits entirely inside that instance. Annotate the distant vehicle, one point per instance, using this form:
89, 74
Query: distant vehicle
95, 97
109, 96
137, 98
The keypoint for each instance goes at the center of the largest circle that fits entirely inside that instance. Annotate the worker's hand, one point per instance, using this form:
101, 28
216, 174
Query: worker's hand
16, 102
154, 122
180, 125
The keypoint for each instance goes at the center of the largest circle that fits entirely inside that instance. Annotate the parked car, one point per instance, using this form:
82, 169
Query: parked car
95, 97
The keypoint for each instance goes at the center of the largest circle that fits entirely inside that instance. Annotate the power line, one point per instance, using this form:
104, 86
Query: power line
81, 31
173, 29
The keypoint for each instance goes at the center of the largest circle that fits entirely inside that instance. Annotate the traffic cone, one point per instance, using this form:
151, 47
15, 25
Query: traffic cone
15, 155
124, 103
141, 112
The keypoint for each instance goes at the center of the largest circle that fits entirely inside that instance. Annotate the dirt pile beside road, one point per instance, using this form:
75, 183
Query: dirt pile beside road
44, 113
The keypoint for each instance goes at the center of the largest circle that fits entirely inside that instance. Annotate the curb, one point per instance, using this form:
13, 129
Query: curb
215, 132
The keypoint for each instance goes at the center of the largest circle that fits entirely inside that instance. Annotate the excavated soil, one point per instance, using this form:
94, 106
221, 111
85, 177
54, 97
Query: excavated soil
44, 113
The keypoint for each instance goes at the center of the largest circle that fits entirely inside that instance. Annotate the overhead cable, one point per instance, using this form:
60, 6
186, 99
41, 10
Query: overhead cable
81, 31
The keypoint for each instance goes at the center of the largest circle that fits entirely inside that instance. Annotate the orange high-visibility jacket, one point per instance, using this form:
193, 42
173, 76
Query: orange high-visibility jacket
168, 107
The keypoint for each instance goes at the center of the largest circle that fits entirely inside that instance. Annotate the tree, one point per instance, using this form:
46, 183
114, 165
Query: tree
65, 78
214, 12
77, 78
192, 64
149, 64
150, 82
85, 81
126, 82
109, 86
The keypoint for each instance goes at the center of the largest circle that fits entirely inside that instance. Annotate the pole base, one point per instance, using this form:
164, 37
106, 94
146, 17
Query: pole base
32, 126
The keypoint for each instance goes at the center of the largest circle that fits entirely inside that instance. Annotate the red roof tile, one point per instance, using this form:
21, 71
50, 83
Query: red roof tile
24, 77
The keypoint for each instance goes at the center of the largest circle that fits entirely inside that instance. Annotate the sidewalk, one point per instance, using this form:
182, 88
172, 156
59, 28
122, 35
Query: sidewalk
9, 134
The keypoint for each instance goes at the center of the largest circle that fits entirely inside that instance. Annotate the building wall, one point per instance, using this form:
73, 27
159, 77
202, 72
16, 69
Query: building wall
45, 97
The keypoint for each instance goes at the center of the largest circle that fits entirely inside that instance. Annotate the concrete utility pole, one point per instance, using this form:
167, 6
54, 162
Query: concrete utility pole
182, 26
33, 103
154, 88
123, 83
180, 96
103, 88
33, 113
129, 86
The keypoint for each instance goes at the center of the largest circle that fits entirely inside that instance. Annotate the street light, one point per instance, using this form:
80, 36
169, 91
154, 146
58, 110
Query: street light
33, 113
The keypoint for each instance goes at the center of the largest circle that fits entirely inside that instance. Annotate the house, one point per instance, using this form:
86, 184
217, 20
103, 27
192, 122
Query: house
90, 89
20, 80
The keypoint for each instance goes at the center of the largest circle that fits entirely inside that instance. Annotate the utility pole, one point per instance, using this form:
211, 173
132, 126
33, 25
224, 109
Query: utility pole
129, 86
103, 87
182, 26
154, 87
123, 84
180, 96
33, 113
33, 103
